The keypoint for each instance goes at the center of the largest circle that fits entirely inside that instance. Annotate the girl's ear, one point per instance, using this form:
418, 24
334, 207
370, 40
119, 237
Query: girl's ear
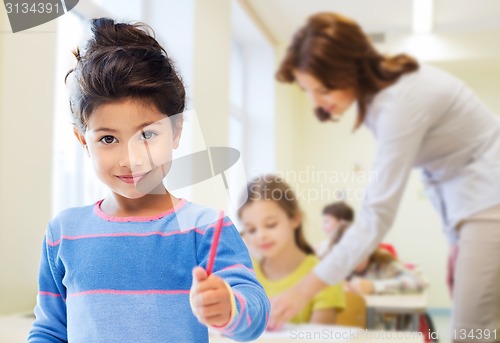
177, 134
79, 136
296, 220
81, 139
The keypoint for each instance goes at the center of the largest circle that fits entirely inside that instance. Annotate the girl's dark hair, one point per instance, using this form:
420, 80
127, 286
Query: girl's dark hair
274, 188
123, 61
379, 258
339, 210
336, 51
345, 214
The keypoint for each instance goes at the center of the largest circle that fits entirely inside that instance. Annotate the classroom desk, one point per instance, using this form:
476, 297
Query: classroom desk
14, 329
328, 333
412, 304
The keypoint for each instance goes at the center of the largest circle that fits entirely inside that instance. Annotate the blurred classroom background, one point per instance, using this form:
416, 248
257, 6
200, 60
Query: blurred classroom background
227, 53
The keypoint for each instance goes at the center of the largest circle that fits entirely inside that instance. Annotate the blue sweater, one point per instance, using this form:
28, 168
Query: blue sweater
115, 279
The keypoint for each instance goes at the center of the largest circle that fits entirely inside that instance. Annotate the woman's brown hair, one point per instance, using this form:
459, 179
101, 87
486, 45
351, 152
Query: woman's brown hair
123, 61
336, 51
274, 188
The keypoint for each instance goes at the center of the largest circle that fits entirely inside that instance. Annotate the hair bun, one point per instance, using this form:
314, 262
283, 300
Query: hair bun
107, 33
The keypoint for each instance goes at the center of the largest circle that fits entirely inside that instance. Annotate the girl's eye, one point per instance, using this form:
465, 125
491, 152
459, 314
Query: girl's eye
250, 231
108, 139
146, 135
272, 225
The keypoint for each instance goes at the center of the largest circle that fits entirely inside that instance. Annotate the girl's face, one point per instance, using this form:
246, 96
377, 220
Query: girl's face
330, 224
130, 145
268, 229
333, 101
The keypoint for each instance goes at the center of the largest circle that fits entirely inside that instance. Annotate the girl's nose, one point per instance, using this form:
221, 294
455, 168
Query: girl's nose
131, 157
260, 234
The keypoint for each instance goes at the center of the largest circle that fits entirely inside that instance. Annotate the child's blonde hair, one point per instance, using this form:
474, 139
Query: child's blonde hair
274, 188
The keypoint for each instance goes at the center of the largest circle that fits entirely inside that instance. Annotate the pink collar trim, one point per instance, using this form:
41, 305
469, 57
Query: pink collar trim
100, 213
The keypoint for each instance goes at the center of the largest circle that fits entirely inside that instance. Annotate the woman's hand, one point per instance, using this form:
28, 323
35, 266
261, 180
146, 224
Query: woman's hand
292, 301
361, 286
210, 298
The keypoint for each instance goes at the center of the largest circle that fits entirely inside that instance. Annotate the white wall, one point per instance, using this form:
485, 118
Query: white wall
288, 110
212, 58
26, 107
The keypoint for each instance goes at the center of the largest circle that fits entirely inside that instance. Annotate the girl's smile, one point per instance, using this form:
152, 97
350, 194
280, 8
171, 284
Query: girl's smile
132, 178
266, 246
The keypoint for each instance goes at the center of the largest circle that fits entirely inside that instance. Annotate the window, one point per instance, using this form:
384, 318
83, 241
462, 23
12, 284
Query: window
252, 127
237, 94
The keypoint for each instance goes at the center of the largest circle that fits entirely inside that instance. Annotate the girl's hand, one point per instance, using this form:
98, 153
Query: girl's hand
348, 287
293, 300
361, 286
210, 298
284, 306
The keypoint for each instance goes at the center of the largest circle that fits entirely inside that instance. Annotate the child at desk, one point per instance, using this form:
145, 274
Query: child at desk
130, 268
273, 228
381, 272
336, 219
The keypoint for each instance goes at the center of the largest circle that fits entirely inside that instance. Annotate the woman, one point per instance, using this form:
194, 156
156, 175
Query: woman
420, 117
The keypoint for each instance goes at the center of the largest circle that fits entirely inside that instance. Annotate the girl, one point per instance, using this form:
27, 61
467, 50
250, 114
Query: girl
420, 117
382, 273
127, 268
336, 219
273, 228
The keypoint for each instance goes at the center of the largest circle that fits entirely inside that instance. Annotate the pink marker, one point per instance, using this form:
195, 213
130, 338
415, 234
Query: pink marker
215, 243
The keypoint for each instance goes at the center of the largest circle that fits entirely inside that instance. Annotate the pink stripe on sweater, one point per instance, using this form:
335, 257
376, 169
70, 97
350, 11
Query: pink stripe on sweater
49, 294
125, 234
100, 213
129, 292
241, 313
134, 234
225, 224
239, 265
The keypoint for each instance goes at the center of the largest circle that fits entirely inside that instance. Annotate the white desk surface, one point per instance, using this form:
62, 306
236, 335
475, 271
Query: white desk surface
14, 329
416, 302
309, 333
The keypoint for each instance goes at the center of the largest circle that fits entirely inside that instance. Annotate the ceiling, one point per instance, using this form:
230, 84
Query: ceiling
283, 17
